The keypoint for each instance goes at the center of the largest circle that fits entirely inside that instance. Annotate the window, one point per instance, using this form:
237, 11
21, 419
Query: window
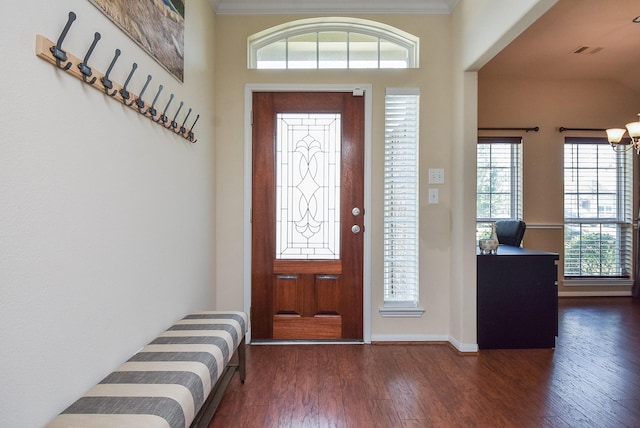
499, 181
400, 234
597, 209
332, 43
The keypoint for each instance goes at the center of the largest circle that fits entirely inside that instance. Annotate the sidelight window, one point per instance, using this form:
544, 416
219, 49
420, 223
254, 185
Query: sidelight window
401, 207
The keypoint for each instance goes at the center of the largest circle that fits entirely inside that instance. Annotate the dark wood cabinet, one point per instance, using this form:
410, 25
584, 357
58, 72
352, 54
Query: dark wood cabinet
517, 299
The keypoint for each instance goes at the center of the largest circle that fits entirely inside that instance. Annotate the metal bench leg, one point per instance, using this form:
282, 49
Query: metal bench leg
242, 361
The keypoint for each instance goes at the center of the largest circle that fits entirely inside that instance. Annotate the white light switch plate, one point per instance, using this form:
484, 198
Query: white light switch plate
433, 196
436, 176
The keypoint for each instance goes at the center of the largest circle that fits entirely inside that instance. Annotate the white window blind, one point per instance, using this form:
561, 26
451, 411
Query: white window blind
499, 181
598, 219
401, 197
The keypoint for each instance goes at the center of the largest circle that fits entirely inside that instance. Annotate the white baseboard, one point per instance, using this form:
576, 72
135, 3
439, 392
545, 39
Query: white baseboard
306, 342
464, 347
461, 347
409, 338
594, 293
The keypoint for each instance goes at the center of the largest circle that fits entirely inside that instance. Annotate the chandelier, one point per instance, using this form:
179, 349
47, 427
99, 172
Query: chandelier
614, 135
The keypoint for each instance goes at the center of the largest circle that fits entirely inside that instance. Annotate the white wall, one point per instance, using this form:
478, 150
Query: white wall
106, 225
485, 27
480, 29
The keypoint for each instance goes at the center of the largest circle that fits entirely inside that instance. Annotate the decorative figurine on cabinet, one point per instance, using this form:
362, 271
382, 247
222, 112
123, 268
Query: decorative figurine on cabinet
489, 246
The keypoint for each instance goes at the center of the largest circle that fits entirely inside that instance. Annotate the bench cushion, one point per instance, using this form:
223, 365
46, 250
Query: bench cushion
167, 382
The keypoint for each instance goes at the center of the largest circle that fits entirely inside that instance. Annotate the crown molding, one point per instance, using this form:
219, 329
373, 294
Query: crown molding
277, 7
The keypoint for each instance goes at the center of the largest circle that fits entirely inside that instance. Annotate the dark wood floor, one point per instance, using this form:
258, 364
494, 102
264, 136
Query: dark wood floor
591, 379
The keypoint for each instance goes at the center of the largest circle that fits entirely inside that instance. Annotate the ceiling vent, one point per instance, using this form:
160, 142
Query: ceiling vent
587, 50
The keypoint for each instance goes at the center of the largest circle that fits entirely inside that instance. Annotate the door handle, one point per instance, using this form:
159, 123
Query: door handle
355, 229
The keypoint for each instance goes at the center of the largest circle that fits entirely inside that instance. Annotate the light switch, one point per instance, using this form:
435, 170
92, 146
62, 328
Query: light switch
436, 176
433, 196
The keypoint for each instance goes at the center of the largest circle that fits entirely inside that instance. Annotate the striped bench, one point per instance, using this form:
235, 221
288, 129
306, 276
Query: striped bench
177, 380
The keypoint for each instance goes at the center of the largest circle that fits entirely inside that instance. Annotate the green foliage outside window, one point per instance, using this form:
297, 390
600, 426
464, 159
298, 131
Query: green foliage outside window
591, 254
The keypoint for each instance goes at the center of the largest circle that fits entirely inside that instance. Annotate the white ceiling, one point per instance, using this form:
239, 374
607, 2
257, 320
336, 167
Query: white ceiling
256, 7
546, 48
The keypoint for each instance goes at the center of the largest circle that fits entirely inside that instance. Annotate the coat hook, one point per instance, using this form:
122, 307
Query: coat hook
190, 135
108, 84
163, 117
84, 68
182, 128
125, 94
58, 53
174, 124
139, 101
152, 110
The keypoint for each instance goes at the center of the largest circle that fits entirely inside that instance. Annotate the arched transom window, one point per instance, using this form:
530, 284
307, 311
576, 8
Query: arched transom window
325, 43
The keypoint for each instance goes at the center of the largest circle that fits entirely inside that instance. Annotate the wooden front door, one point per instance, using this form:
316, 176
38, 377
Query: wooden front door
307, 216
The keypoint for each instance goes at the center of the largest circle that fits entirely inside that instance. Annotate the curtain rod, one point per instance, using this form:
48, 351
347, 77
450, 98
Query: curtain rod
534, 129
562, 129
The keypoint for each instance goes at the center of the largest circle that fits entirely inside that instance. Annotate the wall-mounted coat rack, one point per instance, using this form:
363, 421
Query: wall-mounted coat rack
56, 55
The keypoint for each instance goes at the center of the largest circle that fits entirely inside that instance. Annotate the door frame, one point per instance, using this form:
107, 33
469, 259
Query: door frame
249, 89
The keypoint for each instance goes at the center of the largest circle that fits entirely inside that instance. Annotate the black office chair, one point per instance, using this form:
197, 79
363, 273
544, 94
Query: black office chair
510, 232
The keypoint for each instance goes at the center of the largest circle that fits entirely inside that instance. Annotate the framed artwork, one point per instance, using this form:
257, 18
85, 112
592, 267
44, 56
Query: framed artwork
157, 26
